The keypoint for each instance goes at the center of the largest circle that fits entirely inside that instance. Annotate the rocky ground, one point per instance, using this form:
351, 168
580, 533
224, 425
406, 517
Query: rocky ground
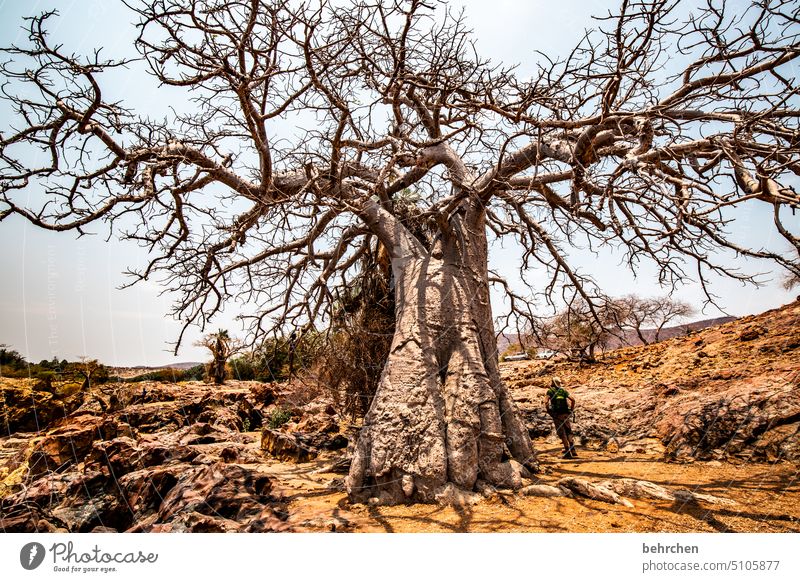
698, 433
154, 456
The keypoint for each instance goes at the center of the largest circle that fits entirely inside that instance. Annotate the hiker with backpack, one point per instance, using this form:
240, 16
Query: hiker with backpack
559, 405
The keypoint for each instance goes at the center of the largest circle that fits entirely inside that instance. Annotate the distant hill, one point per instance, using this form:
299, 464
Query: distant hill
130, 371
176, 366
630, 338
183, 365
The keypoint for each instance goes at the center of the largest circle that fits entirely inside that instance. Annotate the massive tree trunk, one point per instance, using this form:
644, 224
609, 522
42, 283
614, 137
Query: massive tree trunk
441, 414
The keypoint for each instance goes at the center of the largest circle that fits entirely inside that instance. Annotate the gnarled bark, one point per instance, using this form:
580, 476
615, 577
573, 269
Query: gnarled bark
441, 414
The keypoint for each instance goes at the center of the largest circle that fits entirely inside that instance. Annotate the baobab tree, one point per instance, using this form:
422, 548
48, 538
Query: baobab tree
646, 137
222, 347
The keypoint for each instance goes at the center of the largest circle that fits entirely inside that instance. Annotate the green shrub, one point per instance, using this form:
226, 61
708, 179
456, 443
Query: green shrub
196, 373
12, 365
11, 359
270, 362
166, 375
48, 376
242, 368
279, 417
169, 375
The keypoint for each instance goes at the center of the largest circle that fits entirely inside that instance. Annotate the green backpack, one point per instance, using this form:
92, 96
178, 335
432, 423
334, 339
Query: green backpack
558, 401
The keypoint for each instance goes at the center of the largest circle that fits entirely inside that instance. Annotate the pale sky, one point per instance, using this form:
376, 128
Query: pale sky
59, 295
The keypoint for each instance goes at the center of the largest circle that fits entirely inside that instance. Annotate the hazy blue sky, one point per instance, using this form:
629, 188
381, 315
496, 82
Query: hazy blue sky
59, 296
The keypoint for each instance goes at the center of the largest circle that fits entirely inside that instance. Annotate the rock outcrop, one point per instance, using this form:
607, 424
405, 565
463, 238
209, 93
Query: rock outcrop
29, 405
149, 458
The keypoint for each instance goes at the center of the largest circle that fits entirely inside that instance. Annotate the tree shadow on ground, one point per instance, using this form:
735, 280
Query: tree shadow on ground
713, 517
440, 518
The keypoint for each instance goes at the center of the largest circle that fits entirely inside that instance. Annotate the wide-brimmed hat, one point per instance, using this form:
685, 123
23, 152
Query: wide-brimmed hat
555, 381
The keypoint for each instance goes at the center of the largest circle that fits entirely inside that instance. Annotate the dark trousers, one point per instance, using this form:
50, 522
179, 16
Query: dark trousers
564, 429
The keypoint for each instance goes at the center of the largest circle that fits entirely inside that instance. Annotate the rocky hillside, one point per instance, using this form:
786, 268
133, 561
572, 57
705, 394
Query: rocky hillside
727, 391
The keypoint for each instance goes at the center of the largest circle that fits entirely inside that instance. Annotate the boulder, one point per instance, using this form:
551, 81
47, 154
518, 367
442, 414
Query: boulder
593, 491
159, 416
320, 422
44, 491
30, 518
160, 451
27, 405
222, 417
262, 394
286, 446
752, 332
686, 496
84, 515
449, 494
778, 443
202, 433
638, 489
219, 498
144, 490
66, 389
75, 501
238, 453
120, 455
72, 441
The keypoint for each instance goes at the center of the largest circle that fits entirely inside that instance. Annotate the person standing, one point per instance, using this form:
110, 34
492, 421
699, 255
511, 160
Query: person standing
559, 405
